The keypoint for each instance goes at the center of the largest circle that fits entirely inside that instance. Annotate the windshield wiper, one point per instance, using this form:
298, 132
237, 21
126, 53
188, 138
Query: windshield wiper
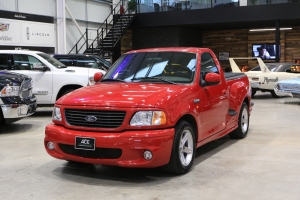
111, 79
153, 78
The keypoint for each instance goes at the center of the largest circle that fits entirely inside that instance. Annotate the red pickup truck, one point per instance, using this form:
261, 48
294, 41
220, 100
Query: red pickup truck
153, 108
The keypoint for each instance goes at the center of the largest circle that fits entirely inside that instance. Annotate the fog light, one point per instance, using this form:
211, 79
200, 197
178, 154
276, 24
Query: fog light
147, 155
50, 145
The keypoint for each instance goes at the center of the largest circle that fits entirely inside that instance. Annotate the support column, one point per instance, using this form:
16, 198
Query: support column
61, 26
277, 39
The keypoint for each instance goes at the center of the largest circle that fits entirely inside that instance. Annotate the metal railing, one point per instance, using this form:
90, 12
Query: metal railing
102, 31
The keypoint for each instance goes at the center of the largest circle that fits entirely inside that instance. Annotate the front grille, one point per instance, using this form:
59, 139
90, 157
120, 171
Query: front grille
104, 119
26, 88
104, 153
25, 94
27, 84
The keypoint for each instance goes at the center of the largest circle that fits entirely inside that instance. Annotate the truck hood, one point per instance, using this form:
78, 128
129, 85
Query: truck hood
119, 95
11, 79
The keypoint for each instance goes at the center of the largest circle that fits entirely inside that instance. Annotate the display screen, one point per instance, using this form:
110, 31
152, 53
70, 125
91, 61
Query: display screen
264, 51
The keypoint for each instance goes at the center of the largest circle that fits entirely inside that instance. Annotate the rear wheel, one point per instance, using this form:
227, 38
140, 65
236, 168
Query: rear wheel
243, 123
183, 149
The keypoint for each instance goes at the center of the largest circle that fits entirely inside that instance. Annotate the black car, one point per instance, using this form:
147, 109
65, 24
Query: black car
82, 60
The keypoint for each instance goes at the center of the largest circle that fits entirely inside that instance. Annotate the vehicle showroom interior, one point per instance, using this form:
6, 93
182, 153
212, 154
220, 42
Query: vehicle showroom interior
82, 40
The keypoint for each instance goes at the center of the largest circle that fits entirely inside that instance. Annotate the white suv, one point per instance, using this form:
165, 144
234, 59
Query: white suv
51, 78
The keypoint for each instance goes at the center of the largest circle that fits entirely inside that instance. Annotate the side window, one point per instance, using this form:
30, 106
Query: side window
3, 61
65, 61
208, 64
85, 62
25, 62
34, 62
21, 62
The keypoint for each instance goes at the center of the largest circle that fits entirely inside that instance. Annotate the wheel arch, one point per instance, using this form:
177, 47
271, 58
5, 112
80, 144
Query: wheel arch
67, 87
2, 120
190, 118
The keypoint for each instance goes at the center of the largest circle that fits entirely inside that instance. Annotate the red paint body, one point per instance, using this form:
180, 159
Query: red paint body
209, 116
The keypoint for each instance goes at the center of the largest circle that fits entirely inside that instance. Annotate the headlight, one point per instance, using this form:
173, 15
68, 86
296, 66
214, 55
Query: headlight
10, 91
56, 114
148, 118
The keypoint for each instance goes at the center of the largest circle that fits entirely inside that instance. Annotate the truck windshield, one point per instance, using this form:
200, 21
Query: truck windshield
52, 60
157, 67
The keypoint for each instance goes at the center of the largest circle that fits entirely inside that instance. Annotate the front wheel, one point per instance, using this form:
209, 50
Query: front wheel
253, 92
274, 95
243, 123
183, 149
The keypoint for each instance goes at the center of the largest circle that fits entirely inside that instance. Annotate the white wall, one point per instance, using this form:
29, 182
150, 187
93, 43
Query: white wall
88, 14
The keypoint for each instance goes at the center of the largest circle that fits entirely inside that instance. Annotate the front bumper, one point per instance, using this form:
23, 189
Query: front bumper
131, 144
17, 111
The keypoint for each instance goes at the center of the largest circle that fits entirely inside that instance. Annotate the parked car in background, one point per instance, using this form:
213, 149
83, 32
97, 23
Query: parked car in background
153, 108
82, 60
265, 76
288, 87
51, 78
16, 98
291, 86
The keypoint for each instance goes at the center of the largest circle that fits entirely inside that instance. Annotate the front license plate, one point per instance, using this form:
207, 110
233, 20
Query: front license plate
85, 143
296, 95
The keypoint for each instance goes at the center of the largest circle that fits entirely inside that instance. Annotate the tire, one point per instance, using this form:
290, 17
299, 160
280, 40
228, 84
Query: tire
253, 92
274, 95
2, 121
183, 149
243, 123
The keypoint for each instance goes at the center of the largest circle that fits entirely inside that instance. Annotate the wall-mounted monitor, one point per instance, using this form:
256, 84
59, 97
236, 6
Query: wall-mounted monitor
264, 51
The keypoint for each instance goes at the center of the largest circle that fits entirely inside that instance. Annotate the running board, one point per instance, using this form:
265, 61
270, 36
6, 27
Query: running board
232, 112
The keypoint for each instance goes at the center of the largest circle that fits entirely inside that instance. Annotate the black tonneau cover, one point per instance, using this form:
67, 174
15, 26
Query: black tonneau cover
233, 75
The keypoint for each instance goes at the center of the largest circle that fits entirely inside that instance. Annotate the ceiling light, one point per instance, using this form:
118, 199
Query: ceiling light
269, 29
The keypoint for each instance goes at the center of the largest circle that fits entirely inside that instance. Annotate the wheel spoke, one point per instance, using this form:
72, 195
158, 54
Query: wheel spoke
244, 121
187, 150
184, 139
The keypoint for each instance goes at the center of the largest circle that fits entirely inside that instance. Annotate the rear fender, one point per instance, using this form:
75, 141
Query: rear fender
238, 92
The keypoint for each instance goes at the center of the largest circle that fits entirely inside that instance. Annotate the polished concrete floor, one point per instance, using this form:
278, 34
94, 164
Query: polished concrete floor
263, 166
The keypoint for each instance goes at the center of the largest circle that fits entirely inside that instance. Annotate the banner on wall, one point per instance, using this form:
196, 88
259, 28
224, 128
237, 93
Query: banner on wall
13, 32
18, 32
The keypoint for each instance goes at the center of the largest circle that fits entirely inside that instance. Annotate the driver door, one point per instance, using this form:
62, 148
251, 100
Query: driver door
42, 80
214, 99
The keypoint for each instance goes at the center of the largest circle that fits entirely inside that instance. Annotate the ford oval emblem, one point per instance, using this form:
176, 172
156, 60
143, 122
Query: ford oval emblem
90, 118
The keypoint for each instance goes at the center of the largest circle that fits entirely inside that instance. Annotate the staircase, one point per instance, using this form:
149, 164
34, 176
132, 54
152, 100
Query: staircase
108, 34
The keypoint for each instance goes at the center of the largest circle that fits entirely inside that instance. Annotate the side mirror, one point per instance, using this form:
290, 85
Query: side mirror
39, 66
98, 76
212, 79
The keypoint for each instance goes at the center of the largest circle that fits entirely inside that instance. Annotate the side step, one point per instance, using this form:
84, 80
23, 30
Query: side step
232, 112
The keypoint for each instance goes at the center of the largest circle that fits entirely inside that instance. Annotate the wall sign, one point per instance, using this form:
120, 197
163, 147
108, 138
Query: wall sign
19, 30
